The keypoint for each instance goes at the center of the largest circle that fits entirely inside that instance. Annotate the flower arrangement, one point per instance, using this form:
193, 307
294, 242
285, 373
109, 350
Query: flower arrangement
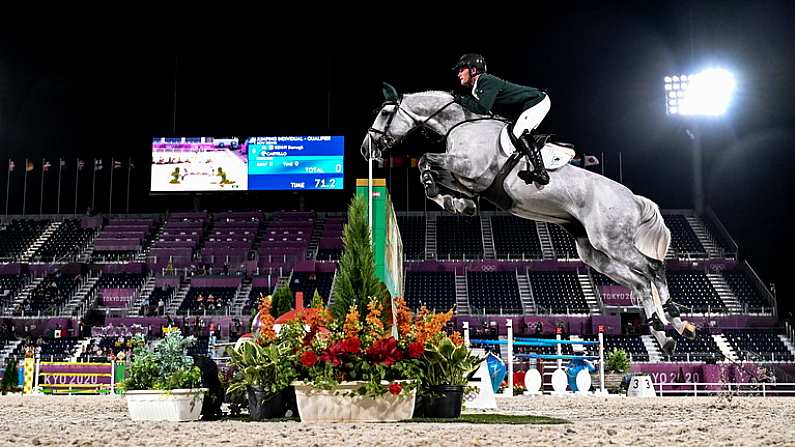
166, 367
358, 349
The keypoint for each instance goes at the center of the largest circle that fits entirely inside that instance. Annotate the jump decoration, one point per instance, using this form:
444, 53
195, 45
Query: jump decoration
371, 361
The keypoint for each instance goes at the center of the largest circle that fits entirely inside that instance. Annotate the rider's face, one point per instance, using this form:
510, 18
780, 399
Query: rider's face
465, 76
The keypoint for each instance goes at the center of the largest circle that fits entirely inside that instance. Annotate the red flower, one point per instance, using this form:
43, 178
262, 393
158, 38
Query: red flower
385, 351
351, 345
395, 388
331, 357
308, 359
416, 349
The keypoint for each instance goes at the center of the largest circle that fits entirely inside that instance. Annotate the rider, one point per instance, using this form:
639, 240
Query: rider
491, 94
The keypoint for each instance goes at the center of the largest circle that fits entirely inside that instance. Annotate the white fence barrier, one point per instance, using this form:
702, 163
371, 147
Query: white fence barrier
708, 389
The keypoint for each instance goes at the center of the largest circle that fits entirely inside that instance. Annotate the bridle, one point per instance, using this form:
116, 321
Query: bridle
385, 140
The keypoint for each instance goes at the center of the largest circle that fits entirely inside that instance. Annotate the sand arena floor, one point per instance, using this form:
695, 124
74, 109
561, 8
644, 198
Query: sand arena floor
692, 421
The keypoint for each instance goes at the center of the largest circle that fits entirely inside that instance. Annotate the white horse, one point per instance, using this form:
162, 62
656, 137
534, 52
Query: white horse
617, 232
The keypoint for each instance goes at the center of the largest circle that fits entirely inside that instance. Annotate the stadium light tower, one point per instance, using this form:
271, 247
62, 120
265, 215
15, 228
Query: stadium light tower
707, 93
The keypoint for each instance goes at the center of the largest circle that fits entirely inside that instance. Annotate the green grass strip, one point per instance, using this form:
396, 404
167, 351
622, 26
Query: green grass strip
494, 419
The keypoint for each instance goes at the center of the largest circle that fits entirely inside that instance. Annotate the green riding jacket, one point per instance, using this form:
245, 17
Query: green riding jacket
494, 95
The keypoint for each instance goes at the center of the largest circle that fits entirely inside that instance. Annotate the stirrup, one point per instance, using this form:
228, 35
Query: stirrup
671, 309
655, 323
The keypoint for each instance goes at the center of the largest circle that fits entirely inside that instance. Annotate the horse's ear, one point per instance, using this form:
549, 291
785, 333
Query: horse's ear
390, 93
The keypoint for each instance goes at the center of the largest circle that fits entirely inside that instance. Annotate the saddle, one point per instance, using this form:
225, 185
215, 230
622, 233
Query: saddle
555, 154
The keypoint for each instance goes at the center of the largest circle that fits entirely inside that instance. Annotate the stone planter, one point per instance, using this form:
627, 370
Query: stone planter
612, 382
174, 405
316, 405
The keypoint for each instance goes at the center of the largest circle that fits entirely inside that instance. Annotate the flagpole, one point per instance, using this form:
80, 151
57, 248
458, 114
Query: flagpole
25, 189
110, 200
94, 186
77, 180
603, 163
41, 191
129, 170
8, 183
60, 167
407, 184
620, 169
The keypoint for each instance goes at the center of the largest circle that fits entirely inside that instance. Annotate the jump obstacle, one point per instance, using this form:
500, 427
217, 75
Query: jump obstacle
542, 342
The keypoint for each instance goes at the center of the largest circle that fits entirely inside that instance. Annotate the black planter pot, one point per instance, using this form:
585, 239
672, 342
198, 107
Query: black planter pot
262, 405
444, 402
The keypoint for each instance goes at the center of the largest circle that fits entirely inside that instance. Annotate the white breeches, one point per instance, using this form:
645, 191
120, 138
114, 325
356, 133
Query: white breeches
532, 117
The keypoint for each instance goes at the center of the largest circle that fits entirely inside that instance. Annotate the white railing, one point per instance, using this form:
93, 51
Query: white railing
708, 389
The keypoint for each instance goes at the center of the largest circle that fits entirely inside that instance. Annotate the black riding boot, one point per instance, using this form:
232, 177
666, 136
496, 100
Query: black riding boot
533, 153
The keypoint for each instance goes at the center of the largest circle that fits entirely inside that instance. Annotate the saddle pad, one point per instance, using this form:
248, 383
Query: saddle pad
554, 156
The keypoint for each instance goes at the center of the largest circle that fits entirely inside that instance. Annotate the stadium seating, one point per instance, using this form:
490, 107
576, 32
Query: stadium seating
702, 348
10, 285
65, 243
494, 293
557, 292
458, 237
412, 233
745, 291
562, 242
49, 295
515, 238
436, 290
758, 345
684, 242
207, 300
17, 237
50, 349
694, 291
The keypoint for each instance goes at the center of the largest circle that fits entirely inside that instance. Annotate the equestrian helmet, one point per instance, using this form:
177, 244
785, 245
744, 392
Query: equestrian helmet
471, 60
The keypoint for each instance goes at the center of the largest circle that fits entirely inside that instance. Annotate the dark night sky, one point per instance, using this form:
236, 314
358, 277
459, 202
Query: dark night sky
104, 90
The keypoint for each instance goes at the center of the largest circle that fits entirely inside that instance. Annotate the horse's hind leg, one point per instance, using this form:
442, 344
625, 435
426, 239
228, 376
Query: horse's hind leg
683, 327
628, 277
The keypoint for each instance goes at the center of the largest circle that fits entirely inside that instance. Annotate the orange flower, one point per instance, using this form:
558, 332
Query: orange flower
403, 317
266, 320
373, 319
456, 338
352, 325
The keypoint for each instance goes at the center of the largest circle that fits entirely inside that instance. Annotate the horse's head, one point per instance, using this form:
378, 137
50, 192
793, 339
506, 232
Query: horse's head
392, 122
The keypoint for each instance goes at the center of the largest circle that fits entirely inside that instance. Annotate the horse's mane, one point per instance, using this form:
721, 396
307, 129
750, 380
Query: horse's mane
434, 93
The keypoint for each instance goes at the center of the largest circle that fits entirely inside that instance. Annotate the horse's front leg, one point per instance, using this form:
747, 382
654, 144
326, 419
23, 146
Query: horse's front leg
428, 168
430, 173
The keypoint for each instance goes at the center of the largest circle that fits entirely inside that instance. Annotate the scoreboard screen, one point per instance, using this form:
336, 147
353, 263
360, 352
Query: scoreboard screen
294, 163
290, 163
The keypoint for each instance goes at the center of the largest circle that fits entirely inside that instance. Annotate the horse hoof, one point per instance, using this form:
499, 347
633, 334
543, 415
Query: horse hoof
669, 346
449, 206
690, 331
469, 208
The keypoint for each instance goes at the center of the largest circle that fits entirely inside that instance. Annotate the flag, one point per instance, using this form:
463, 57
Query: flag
29, 166
130, 163
80, 164
413, 162
63, 163
97, 164
11, 165
590, 160
116, 164
396, 162
45, 165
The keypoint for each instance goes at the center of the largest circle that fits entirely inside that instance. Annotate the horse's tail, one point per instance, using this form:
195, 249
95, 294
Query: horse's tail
652, 237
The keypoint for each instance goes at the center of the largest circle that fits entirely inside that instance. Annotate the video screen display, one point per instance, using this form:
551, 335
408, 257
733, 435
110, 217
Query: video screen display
289, 163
